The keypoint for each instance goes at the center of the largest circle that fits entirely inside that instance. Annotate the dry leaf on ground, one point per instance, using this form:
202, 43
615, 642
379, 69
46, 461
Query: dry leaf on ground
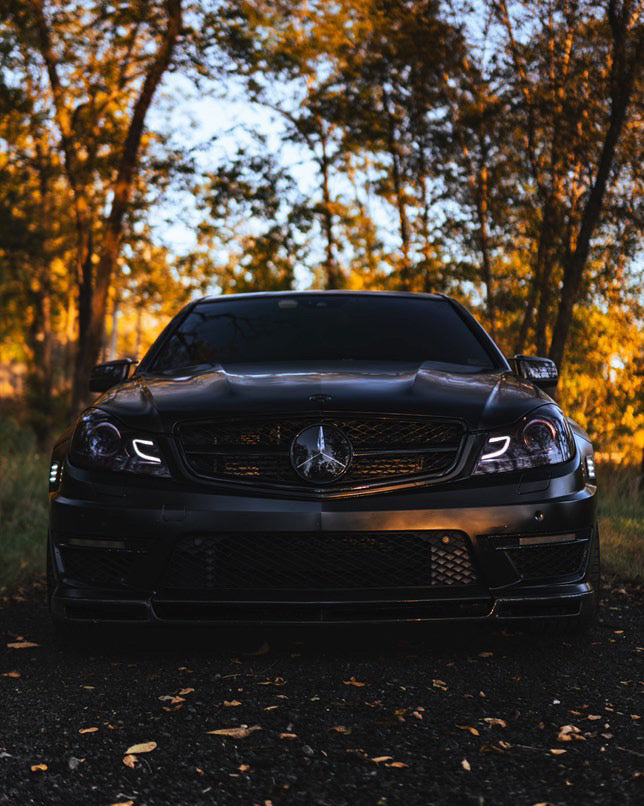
494, 721
569, 733
129, 760
288, 736
38, 767
21, 645
232, 703
242, 732
88, 730
380, 759
471, 730
465, 764
144, 747
13, 673
353, 682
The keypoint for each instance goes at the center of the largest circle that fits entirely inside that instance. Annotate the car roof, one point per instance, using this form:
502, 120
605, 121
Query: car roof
316, 292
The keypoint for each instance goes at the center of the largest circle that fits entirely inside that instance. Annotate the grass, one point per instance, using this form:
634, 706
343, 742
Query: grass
621, 521
23, 505
23, 512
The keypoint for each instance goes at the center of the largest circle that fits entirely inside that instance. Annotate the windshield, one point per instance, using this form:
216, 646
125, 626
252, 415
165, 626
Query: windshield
323, 327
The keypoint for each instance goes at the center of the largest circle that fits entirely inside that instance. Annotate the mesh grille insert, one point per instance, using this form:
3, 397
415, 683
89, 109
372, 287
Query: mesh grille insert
320, 560
541, 562
386, 449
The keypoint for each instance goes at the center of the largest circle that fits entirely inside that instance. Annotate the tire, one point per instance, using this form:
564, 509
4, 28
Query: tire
586, 620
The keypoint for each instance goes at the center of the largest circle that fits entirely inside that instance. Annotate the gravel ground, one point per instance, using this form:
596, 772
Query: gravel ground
441, 716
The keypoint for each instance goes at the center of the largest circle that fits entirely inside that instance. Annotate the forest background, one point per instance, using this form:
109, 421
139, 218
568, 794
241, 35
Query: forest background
155, 150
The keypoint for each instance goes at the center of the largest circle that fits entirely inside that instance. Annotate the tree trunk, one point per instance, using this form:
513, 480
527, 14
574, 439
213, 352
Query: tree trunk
623, 72
334, 277
394, 152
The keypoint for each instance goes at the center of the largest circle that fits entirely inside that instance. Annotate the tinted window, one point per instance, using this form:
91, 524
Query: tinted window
321, 328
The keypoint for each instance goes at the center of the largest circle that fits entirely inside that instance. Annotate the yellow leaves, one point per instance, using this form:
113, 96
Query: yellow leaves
353, 682
144, 747
38, 767
21, 645
124, 803
88, 730
184, 691
241, 732
130, 761
381, 759
557, 751
288, 736
14, 674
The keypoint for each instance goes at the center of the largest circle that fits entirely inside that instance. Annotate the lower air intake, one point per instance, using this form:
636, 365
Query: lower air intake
320, 561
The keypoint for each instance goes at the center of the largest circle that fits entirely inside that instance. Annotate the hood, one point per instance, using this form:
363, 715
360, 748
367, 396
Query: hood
482, 400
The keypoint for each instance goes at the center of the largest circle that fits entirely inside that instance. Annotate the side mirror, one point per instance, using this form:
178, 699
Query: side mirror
105, 376
541, 371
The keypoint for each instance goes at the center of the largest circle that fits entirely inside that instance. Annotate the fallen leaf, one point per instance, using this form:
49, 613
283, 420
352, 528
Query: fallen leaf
185, 691
271, 708
569, 733
288, 736
21, 645
241, 732
473, 731
557, 751
88, 730
486, 654
594, 717
38, 767
341, 729
353, 682
244, 767
396, 764
465, 764
441, 684
130, 761
10, 674
233, 703
144, 747
124, 803
505, 745
380, 759
494, 721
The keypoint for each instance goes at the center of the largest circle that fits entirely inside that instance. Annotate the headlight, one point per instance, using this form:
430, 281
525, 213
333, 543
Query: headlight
100, 443
541, 438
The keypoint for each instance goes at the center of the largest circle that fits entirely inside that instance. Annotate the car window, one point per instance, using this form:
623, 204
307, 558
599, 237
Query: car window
323, 328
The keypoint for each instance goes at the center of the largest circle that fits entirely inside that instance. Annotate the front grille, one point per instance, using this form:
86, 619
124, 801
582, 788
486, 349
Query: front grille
541, 562
386, 449
105, 567
320, 561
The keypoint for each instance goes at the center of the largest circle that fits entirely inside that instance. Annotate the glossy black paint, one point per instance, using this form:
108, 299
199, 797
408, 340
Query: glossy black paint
104, 506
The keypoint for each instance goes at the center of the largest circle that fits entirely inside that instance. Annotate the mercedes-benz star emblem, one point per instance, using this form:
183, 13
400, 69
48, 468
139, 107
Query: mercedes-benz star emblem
320, 454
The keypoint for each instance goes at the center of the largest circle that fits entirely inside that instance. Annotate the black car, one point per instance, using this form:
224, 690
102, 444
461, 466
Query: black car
323, 457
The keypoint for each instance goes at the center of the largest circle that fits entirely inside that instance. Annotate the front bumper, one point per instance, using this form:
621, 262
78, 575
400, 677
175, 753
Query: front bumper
494, 522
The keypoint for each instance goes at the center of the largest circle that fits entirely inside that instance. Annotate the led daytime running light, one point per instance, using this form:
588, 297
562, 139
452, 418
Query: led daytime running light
139, 444
505, 440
